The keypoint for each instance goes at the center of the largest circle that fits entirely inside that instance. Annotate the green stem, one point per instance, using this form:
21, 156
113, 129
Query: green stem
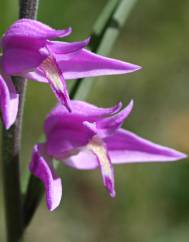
106, 32
28, 9
11, 147
32, 199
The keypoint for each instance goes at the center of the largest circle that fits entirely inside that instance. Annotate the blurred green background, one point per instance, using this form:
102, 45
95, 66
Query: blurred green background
152, 203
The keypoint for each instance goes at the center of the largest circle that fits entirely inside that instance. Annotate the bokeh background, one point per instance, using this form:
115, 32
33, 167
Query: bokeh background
152, 203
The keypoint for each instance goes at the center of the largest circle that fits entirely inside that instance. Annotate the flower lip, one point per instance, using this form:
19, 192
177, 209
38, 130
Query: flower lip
98, 147
56, 80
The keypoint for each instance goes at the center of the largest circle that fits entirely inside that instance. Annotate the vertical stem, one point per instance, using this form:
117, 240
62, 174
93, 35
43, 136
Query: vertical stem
28, 8
11, 156
11, 146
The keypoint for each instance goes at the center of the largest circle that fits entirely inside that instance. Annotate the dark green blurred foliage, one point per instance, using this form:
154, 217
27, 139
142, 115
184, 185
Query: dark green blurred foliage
152, 203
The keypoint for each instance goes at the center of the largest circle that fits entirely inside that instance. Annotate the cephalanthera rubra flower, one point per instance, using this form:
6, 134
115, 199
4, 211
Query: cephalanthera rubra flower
28, 51
87, 138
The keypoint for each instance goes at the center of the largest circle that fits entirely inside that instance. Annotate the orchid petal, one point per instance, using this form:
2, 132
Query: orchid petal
56, 80
88, 64
8, 101
41, 167
110, 124
67, 132
83, 160
15, 61
59, 47
99, 150
90, 110
24, 32
68, 137
81, 111
127, 147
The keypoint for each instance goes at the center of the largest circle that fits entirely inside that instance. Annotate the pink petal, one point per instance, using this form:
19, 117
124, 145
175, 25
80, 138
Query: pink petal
66, 131
89, 110
15, 61
127, 147
27, 33
41, 167
9, 100
108, 125
59, 47
74, 67
81, 111
88, 64
84, 160
67, 138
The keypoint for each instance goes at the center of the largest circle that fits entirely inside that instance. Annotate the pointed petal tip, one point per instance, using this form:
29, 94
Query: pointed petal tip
9, 100
130, 105
52, 204
113, 194
174, 155
137, 68
118, 106
7, 125
179, 156
126, 111
109, 184
87, 40
69, 30
132, 68
65, 32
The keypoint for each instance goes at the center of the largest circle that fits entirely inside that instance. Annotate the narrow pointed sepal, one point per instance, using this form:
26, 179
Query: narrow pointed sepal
88, 64
8, 101
41, 167
126, 147
62, 48
112, 123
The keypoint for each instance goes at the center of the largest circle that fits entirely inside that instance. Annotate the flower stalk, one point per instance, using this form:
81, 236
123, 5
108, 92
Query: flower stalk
11, 146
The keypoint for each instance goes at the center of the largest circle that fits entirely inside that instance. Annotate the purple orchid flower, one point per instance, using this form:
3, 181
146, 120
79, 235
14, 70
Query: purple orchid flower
87, 138
28, 51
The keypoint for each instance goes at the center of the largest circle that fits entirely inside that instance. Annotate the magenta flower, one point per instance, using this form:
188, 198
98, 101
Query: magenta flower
28, 51
87, 138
